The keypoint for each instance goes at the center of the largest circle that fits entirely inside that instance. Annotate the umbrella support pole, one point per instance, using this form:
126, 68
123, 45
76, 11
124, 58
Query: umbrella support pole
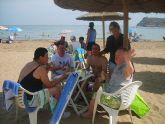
125, 9
103, 24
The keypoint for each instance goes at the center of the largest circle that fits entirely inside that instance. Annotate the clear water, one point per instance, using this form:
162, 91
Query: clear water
38, 32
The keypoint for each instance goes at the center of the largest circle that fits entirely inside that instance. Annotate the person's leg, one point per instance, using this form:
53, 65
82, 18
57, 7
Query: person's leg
89, 49
55, 91
89, 113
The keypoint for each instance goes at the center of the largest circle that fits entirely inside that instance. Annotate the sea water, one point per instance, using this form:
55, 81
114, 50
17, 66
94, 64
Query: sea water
52, 32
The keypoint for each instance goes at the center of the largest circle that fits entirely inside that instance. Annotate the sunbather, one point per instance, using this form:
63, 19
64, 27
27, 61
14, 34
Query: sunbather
34, 75
98, 63
121, 76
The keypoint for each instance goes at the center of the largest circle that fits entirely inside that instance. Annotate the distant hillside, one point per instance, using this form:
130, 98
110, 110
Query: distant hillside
152, 22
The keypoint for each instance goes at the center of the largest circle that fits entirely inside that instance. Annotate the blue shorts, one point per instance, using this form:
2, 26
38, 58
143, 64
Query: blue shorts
89, 46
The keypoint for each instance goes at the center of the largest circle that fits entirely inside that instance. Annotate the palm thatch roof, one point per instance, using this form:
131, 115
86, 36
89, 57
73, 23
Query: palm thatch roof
101, 16
113, 5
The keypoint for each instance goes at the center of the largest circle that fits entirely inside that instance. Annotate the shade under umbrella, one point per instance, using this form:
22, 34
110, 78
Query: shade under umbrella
115, 6
15, 29
3, 28
101, 16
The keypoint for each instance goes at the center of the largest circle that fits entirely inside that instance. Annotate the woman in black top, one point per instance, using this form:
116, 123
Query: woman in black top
114, 42
34, 75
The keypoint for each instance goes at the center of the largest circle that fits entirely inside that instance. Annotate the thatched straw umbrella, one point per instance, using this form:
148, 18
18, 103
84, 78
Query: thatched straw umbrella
115, 6
101, 16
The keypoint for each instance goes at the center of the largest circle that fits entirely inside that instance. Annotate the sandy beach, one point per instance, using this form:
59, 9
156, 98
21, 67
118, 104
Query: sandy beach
150, 69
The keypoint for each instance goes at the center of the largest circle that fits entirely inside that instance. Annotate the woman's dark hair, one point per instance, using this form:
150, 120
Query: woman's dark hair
114, 25
81, 38
40, 52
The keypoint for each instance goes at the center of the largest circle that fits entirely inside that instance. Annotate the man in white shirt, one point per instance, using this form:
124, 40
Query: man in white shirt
61, 61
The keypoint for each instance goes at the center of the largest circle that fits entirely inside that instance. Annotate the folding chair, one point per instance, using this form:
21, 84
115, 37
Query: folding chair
127, 94
79, 58
84, 76
66, 98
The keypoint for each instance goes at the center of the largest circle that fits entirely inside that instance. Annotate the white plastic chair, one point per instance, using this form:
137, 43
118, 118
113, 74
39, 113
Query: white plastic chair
127, 94
20, 104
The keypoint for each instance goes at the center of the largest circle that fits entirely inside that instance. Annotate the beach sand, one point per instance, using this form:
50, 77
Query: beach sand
150, 69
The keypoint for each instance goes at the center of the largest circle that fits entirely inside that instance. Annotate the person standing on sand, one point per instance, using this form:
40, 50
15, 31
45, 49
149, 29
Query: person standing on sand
114, 42
91, 38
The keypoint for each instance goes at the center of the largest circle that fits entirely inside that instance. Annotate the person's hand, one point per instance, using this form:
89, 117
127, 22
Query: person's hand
66, 69
130, 54
50, 68
100, 53
65, 75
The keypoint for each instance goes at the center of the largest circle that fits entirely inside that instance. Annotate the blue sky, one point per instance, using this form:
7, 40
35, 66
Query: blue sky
45, 12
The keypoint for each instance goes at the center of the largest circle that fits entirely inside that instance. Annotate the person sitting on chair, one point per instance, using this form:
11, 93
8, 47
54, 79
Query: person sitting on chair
98, 63
61, 61
121, 76
34, 75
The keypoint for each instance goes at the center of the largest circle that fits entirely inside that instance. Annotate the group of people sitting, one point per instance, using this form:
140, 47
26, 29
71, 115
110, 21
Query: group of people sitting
34, 75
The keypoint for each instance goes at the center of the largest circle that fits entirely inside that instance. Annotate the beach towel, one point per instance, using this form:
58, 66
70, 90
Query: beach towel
14, 86
79, 54
10, 90
38, 100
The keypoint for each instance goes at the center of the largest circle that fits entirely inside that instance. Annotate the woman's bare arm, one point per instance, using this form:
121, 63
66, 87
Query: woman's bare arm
44, 78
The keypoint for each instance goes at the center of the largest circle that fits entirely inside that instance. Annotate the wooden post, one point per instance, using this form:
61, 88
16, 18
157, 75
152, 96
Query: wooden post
103, 28
125, 9
103, 24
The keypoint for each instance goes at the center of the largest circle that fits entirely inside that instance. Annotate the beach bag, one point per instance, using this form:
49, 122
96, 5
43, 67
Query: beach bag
139, 106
